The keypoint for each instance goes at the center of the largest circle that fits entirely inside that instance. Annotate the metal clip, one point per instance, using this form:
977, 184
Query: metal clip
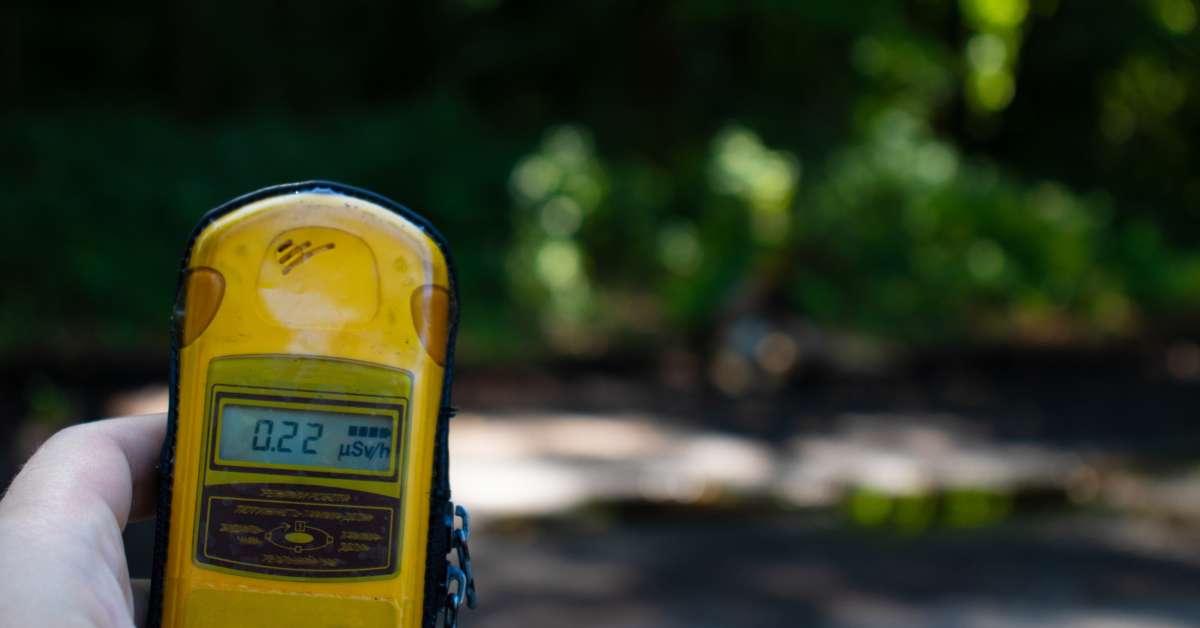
459, 539
460, 574
454, 595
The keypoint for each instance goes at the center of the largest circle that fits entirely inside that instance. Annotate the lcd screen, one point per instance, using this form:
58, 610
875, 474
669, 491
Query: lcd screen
306, 438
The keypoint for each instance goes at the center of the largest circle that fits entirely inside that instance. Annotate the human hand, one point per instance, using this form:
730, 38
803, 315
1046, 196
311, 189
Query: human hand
62, 559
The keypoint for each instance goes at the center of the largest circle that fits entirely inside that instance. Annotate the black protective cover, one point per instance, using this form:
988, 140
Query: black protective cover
441, 518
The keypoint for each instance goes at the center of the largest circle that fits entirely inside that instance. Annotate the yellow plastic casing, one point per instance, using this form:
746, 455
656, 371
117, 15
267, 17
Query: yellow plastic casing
315, 278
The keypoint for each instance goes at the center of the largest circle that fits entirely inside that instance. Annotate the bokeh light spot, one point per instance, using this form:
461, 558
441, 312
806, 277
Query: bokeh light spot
559, 263
987, 53
1178, 16
999, 14
561, 216
985, 260
993, 90
679, 248
535, 177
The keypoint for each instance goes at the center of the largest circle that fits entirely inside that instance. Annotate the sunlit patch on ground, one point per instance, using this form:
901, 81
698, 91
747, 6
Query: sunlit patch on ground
541, 463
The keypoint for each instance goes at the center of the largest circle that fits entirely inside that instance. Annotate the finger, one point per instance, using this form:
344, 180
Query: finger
110, 462
141, 440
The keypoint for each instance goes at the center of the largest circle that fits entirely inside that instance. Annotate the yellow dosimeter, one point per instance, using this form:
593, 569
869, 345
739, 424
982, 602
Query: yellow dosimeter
304, 479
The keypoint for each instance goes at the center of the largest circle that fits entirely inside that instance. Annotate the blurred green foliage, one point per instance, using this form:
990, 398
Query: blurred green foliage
618, 177
917, 513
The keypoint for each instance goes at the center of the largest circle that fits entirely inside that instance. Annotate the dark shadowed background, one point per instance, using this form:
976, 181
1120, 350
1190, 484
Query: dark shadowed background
775, 313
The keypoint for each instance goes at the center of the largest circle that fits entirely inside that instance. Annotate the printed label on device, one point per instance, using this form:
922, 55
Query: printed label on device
284, 529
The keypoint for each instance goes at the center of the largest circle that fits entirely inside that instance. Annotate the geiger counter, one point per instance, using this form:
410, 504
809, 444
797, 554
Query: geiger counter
303, 480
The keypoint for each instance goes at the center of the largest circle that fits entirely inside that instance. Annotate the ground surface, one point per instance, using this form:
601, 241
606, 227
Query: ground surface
604, 501
729, 570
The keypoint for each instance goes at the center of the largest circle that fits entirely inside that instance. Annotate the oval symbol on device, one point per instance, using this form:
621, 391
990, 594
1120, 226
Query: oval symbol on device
299, 538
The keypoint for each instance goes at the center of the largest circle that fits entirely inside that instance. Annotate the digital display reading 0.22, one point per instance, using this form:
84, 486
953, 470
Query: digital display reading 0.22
305, 438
